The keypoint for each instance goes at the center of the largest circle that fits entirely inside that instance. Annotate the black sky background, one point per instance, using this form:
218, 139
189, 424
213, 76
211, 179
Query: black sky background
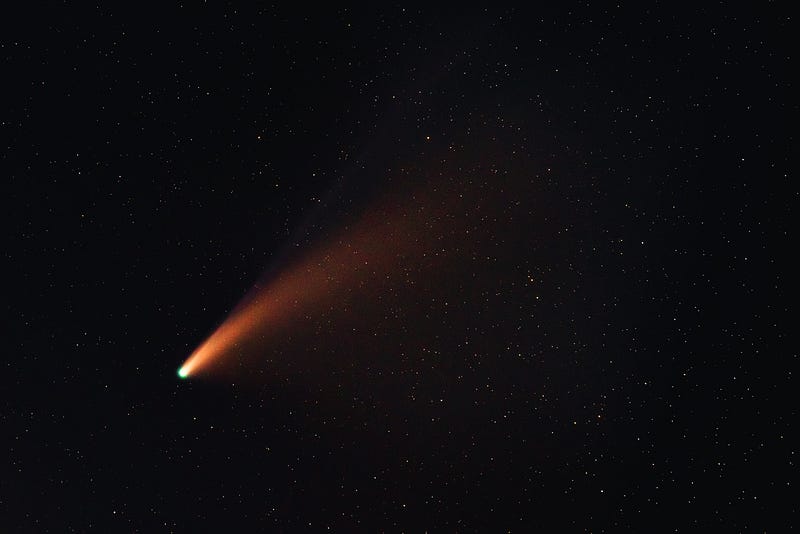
627, 304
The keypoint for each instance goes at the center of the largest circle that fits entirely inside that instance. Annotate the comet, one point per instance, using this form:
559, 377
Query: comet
399, 238
347, 262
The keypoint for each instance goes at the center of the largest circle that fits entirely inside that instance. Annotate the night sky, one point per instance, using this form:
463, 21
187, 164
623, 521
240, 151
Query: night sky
506, 269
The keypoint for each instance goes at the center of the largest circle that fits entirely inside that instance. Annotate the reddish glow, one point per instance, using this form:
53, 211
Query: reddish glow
349, 262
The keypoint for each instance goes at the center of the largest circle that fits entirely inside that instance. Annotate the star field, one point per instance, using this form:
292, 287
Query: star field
487, 269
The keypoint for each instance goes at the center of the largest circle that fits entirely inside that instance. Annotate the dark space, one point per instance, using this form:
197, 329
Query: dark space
579, 316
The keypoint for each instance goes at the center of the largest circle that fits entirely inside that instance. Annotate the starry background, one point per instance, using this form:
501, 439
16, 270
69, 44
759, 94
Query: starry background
605, 344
